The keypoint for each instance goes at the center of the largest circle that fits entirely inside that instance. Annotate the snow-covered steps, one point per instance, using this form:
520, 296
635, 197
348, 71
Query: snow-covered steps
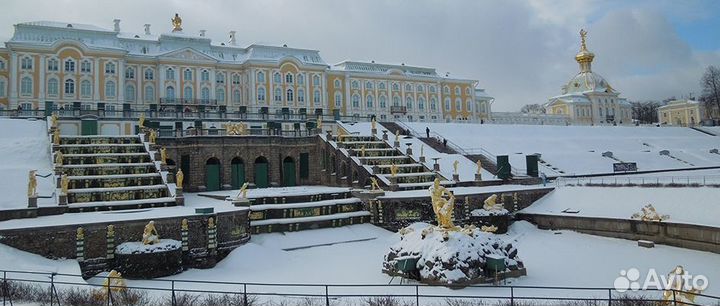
101, 148
109, 169
423, 185
102, 158
308, 215
121, 205
114, 180
386, 160
68, 140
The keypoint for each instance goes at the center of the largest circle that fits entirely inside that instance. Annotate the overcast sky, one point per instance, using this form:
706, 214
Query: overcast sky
521, 52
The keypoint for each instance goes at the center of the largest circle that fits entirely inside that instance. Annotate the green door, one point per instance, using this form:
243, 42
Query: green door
212, 174
261, 174
237, 169
289, 172
89, 127
48, 108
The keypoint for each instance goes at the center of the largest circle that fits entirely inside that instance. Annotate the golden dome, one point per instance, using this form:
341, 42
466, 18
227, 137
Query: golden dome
584, 57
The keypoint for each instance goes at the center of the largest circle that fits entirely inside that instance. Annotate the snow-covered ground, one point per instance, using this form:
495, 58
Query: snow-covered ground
280, 191
24, 146
578, 149
695, 205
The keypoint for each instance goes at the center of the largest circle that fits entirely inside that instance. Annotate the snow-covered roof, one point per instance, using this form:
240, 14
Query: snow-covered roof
372, 67
676, 103
65, 25
481, 94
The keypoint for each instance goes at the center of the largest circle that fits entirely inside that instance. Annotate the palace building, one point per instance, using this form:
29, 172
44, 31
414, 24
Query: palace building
70, 66
588, 98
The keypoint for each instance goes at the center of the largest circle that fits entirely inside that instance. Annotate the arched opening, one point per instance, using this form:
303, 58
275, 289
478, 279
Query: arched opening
261, 172
170, 162
212, 174
289, 174
237, 172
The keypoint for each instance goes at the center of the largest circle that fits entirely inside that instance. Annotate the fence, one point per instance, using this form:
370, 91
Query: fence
700, 180
58, 289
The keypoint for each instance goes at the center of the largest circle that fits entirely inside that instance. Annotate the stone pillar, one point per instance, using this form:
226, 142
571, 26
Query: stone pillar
478, 177
96, 84
62, 199
385, 135
110, 243
80, 244
422, 158
409, 151
179, 197
397, 143
456, 177
32, 201
184, 235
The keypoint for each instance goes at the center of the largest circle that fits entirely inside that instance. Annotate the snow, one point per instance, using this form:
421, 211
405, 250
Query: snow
461, 191
279, 192
578, 149
304, 204
310, 219
137, 247
24, 146
691, 205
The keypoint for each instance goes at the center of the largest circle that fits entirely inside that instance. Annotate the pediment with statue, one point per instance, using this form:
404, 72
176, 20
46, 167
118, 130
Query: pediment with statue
188, 54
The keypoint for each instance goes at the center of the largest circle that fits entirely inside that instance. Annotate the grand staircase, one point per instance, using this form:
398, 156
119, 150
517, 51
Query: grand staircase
111, 173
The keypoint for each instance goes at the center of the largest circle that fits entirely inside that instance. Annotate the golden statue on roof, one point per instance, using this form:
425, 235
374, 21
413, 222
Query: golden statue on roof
583, 36
177, 23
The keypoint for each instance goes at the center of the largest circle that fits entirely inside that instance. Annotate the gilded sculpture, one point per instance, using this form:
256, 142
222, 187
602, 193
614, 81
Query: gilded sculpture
177, 23
318, 122
56, 137
59, 158
163, 156
374, 184
141, 121
479, 167
490, 204
53, 120
150, 234
678, 290
242, 194
80, 234
32, 184
64, 183
648, 213
393, 170
583, 36
443, 202
153, 136
179, 179
362, 151
373, 123
114, 282
235, 129
455, 167
489, 229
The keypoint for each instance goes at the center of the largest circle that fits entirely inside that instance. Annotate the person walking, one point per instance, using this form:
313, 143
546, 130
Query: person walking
427, 132
445, 143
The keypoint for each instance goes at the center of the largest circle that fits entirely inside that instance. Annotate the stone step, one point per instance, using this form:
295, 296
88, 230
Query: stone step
121, 205
307, 223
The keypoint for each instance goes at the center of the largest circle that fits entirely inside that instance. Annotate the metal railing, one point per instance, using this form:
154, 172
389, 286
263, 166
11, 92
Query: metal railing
191, 132
634, 180
55, 288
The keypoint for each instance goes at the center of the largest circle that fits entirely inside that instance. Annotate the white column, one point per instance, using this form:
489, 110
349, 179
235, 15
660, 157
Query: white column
196, 83
212, 86
121, 81
323, 92
160, 89
96, 85
348, 98
252, 94
140, 87
13, 80
42, 81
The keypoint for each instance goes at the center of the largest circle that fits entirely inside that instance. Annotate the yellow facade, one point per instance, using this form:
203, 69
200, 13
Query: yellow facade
681, 113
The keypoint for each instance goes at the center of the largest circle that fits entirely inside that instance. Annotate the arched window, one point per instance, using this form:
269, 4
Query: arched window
26, 86
288, 78
368, 85
301, 95
220, 95
396, 101
446, 90
204, 76
421, 103
432, 89
301, 79
277, 78
26, 63
395, 86
205, 95
354, 85
85, 89
187, 75
129, 73
149, 75
236, 95
188, 93
2, 89
129, 93
261, 77
316, 80
409, 102
457, 90
85, 66
420, 88
109, 68
220, 78
408, 87
433, 103
110, 89
289, 95
458, 104
261, 94
236, 79
69, 65
278, 95
447, 104
170, 92
369, 101
356, 101
337, 83
53, 87
338, 99
149, 93
382, 101
381, 85
316, 97
468, 106
52, 65
170, 74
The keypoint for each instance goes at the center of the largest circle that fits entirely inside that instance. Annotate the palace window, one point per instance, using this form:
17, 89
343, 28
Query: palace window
338, 99
236, 96
188, 93
109, 89
395, 86
261, 94
188, 75
408, 87
69, 65
301, 96
85, 89
109, 68
447, 104
278, 95
432, 89
458, 104
129, 93
457, 90
300, 79
261, 77
26, 86
288, 78
130, 73
170, 92
468, 106
354, 85
205, 94
149, 93
220, 95
381, 85
220, 78
205, 76
149, 75
53, 87
85, 66
421, 103
369, 101
316, 97
396, 101
170, 74
316, 80
69, 87
467, 91
337, 83
2, 87
277, 78
52, 65
368, 85
420, 88
446, 90
433, 103
26, 63
356, 101
383, 101
2, 64
409, 102
236, 79
289, 95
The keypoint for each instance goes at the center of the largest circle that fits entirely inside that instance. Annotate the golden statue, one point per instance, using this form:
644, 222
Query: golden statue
163, 156
59, 158
184, 224
56, 137
490, 204
211, 222
678, 290
373, 123
111, 230
153, 136
53, 120
242, 194
479, 167
141, 121
583, 36
648, 213
179, 179
362, 151
374, 184
150, 234
393, 170
114, 282
32, 184
80, 234
319, 122
489, 229
397, 135
443, 202
177, 23
455, 167
64, 183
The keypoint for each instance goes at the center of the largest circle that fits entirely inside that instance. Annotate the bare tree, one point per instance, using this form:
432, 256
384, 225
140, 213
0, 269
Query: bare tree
532, 109
645, 112
711, 89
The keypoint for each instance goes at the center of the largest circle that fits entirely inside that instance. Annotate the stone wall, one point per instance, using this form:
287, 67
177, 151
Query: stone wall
248, 149
690, 236
341, 170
